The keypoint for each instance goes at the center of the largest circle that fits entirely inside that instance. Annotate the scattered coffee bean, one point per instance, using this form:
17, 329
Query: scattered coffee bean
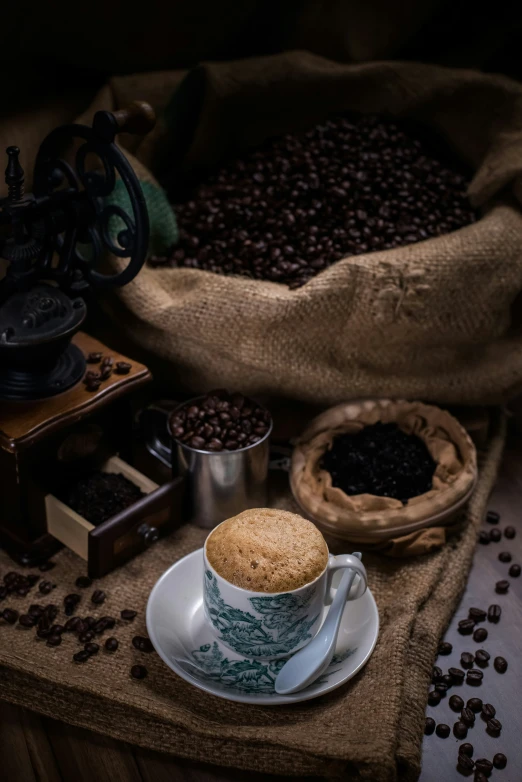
442, 730
138, 671
86, 636
83, 582
44, 566
57, 629
468, 717
91, 376
127, 614
456, 703
466, 660
494, 727
466, 749
54, 640
94, 358
494, 613
484, 765
457, 675
429, 726
436, 674
441, 687
460, 730
504, 556
70, 602
32, 579
480, 777
446, 679
27, 620
81, 656
510, 533
500, 664
445, 648
51, 611
123, 368
71, 624
92, 648
475, 704
495, 535
482, 657
500, 760
3, 592
465, 626
45, 587
108, 361
502, 586
488, 711
36, 610
90, 621
105, 373
81, 627
477, 614
465, 763
98, 597
480, 634
111, 644
483, 537
10, 615
44, 627
514, 571
91, 384
474, 677
144, 644
493, 517
105, 623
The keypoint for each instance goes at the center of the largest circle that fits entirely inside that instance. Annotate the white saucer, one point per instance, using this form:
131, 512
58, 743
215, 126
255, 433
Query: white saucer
187, 644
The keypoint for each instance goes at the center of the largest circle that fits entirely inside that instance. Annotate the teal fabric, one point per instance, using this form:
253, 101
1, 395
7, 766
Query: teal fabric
163, 227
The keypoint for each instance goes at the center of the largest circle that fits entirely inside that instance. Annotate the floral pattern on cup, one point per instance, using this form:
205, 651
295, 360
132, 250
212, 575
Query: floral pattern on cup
250, 676
276, 626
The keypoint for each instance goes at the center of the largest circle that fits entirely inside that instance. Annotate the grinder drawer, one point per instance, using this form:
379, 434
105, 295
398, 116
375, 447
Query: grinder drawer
124, 535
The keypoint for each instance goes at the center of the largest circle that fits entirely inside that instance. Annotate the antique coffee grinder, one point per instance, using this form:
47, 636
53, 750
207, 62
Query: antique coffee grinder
64, 396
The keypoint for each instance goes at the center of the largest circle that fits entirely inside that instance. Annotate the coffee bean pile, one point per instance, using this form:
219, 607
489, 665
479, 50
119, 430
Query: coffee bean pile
482, 767
220, 421
94, 378
380, 459
43, 619
351, 185
101, 495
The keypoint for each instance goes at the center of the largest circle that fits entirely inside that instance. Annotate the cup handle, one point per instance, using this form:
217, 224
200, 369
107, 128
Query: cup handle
339, 562
154, 423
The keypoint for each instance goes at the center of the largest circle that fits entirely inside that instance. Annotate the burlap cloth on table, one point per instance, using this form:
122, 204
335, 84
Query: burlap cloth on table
370, 729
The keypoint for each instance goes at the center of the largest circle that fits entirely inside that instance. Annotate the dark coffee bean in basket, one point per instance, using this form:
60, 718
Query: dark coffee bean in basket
465, 763
457, 675
483, 537
138, 671
488, 711
494, 613
380, 459
94, 358
83, 582
92, 648
445, 648
493, 517
71, 624
111, 644
466, 626
482, 657
436, 674
495, 535
477, 614
510, 533
36, 610
484, 765
45, 587
54, 640
466, 660
81, 656
502, 586
144, 644
460, 730
57, 629
99, 496
475, 704
514, 571
500, 664
474, 677
504, 556
500, 760
32, 579
10, 615
27, 620
90, 621
72, 599
302, 201
468, 717
466, 749
51, 611
86, 636
429, 726
98, 597
128, 614
442, 730
480, 634
456, 703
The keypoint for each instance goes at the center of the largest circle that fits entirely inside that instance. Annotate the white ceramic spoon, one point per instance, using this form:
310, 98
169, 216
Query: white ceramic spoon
310, 662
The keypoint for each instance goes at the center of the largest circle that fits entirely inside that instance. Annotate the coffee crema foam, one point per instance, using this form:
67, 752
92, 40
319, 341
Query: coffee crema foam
267, 550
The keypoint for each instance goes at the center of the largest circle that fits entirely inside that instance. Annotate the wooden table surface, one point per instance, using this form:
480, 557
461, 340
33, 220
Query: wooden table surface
38, 749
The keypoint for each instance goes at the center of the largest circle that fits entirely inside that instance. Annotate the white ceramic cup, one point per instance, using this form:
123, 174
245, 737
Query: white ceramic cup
268, 625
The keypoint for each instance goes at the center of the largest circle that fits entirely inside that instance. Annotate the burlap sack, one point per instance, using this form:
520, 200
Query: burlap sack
432, 320
384, 522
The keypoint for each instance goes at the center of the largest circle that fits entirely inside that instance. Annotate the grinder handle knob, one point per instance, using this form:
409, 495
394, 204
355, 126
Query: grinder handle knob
139, 118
